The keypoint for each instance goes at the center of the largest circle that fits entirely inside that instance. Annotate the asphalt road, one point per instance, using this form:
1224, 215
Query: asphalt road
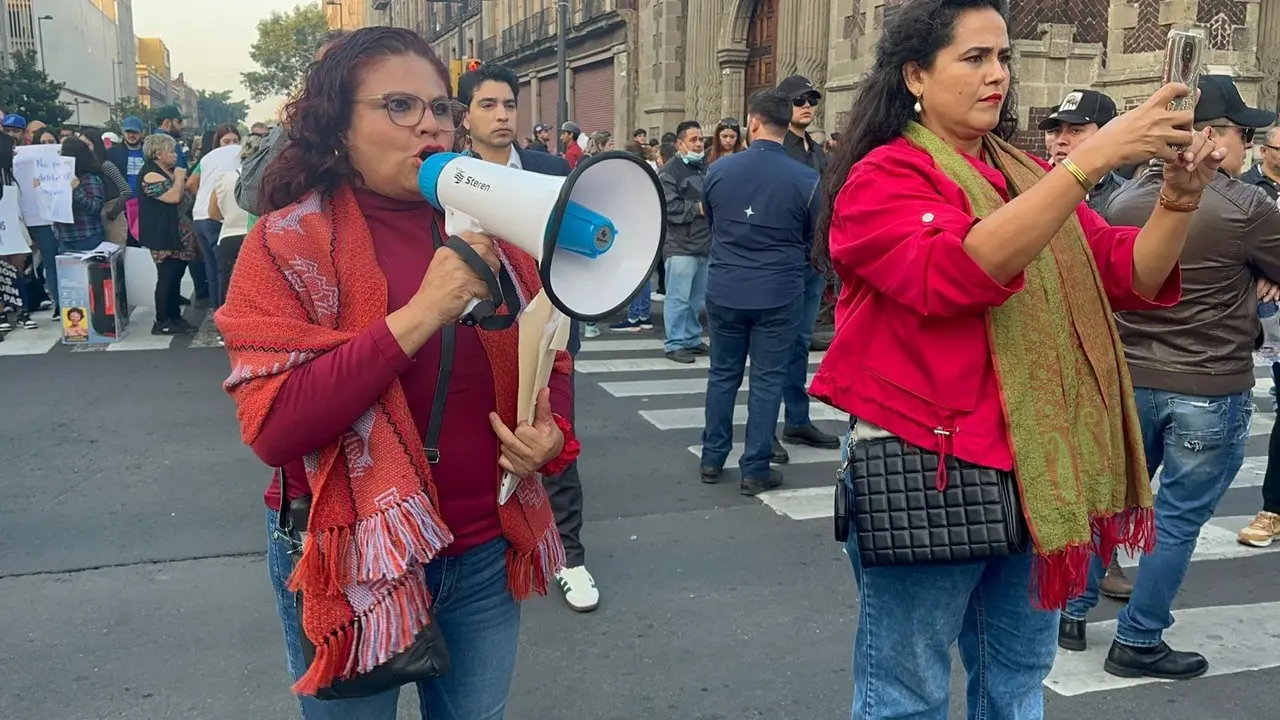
132, 582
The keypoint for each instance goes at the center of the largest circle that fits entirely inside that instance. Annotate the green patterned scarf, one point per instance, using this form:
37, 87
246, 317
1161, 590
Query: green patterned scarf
1068, 400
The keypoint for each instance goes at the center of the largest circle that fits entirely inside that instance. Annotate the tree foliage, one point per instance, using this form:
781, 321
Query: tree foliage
123, 108
27, 90
285, 47
217, 108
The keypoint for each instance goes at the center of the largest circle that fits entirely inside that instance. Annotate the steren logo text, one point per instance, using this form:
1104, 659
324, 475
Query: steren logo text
461, 178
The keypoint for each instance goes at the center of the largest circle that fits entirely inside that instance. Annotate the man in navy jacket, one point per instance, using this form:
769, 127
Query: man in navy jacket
489, 94
762, 207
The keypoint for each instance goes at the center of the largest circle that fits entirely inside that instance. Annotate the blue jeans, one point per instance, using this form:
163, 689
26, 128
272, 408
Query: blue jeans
686, 299
207, 231
641, 307
479, 619
1200, 441
795, 398
908, 617
47, 243
767, 336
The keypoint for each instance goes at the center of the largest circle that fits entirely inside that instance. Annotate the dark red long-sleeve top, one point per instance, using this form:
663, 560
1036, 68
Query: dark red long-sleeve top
321, 399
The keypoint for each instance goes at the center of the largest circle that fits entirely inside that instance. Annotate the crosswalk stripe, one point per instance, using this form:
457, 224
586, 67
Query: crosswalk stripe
685, 418
591, 367
1234, 638
623, 345
800, 455
33, 342
668, 386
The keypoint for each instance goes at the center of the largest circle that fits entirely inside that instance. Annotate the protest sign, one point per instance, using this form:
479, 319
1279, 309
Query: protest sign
45, 179
13, 239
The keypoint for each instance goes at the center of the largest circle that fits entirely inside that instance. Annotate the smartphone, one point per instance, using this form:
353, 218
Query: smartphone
1182, 64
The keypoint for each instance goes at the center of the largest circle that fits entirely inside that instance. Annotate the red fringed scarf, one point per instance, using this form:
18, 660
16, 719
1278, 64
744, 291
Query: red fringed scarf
308, 281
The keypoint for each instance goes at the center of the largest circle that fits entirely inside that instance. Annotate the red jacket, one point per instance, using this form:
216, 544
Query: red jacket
910, 352
572, 154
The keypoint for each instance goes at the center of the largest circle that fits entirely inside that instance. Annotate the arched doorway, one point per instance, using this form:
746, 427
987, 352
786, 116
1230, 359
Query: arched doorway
762, 36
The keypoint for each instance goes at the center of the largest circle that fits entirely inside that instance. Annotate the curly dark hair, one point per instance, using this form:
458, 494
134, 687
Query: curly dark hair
914, 31
315, 157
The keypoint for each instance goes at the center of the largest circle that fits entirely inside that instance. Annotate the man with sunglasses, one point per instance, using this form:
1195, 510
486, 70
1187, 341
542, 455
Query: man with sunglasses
797, 426
1265, 174
1193, 376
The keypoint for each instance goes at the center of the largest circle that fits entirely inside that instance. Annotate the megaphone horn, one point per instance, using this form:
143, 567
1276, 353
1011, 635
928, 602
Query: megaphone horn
597, 234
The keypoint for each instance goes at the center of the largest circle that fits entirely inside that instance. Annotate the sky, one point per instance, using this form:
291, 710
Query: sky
210, 46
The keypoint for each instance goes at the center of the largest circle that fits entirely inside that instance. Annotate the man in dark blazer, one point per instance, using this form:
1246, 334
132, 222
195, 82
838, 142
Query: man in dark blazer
489, 94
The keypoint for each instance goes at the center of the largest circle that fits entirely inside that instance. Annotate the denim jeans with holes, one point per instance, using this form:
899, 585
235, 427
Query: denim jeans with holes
910, 615
479, 619
1198, 444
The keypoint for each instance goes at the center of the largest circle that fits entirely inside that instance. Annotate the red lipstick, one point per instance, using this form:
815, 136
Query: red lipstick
993, 98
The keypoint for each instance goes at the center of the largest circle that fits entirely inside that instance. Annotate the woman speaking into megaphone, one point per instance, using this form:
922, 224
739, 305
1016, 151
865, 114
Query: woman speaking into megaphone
352, 375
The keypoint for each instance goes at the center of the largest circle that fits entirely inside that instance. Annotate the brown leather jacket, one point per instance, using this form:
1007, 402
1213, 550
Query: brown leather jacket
1204, 344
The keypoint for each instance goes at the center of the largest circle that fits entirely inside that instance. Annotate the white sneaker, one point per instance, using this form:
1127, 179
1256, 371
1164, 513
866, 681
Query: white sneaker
579, 589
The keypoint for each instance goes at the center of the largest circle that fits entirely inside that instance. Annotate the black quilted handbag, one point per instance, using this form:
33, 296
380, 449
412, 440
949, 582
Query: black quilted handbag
900, 517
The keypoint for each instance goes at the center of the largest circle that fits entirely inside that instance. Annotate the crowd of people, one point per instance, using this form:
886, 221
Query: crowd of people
166, 191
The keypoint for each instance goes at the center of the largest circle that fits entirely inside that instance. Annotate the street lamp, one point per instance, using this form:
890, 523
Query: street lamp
116, 66
40, 30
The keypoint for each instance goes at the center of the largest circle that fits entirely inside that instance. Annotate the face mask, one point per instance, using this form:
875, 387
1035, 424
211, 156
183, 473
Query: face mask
693, 157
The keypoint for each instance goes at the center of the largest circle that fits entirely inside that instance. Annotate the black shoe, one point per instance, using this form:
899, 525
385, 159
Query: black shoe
166, 328
1161, 661
754, 486
185, 327
701, 349
1071, 634
681, 356
710, 474
780, 454
811, 436
183, 300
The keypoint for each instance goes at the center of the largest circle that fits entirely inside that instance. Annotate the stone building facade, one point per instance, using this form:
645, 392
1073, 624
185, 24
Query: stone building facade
652, 63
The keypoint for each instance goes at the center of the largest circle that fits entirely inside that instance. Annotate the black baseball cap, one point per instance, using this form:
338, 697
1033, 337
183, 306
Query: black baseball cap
798, 86
1219, 98
1081, 107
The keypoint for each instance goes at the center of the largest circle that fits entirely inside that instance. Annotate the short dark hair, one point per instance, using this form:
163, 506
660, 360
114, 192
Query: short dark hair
771, 108
686, 125
668, 137
469, 81
639, 131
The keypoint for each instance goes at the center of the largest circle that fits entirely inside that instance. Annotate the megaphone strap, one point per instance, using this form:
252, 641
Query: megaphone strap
502, 290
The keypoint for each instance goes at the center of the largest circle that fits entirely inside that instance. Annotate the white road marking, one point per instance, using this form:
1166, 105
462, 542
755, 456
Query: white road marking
33, 342
666, 386
685, 418
800, 455
1235, 639
590, 367
623, 345
139, 335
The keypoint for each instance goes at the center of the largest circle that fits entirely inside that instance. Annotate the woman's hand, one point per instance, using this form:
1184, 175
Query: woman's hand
450, 284
1186, 176
75, 182
529, 446
1149, 131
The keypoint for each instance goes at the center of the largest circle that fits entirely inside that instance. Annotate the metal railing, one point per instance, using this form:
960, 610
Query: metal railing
536, 27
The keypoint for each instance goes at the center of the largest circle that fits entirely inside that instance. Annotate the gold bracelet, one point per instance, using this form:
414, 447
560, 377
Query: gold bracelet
1174, 206
1078, 174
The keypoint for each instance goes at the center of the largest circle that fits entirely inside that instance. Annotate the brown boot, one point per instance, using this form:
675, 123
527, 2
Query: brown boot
1114, 584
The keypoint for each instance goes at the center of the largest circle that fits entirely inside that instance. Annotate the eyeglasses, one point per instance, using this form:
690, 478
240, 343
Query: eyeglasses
803, 100
1275, 148
408, 110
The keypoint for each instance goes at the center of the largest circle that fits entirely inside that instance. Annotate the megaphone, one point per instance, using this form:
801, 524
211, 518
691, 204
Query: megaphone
597, 234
